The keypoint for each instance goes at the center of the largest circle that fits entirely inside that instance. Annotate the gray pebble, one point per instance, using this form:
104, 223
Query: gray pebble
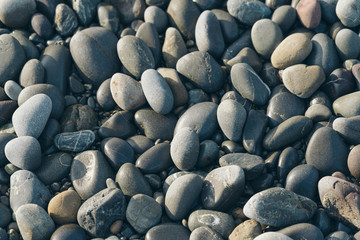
104, 97
248, 11
148, 33
347, 105
348, 128
155, 159
318, 113
117, 151
118, 125
205, 232
348, 11
74, 141
303, 230
284, 16
12, 89
85, 10
33, 72
169, 231
173, 48
273, 236
156, 16
17, 14
347, 43
108, 17
65, 20
140, 143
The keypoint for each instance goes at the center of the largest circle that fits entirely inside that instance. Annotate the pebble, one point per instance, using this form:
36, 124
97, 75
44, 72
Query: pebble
117, 151
252, 165
292, 50
288, 159
57, 99
154, 125
287, 132
104, 97
143, 212
85, 10
231, 116
347, 44
126, 92
98, 213
140, 143
245, 230
248, 11
68, 232
156, 16
327, 151
74, 141
228, 24
33, 72
63, 207
293, 209
347, 128
12, 54
131, 181
318, 113
169, 231
65, 20
12, 89
108, 17
265, 36
4, 139
5, 214
24, 152
148, 33
273, 236
338, 197
208, 35
173, 48
34, 222
155, 159
309, 13
338, 235
347, 105
347, 12
220, 222
89, 171
102, 62
253, 132
31, 51
41, 26
285, 17
249, 56
135, 55
184, 149
353, 162
184, 14
216, 195
157, 92
17, 14
52, 128
181, 196
7, 108
243, 41
303, 231
129, 11
202, 70
205, 232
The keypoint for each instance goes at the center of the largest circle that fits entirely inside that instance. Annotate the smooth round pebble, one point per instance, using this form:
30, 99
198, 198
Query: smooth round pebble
248, 11
205, 232
348, 11
17, 13
63, 207
33, 72
69, 232
169, 231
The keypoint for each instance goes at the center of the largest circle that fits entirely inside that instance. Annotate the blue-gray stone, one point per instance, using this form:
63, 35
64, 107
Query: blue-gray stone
74, 141
248, 11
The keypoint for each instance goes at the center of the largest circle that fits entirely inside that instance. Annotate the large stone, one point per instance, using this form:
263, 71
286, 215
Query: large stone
17, 13
348, 11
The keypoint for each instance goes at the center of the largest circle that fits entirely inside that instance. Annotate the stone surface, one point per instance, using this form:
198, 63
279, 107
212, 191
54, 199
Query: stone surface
248, 229
4, 139
309, 13
273, 235
85, 10
173, 48
347, 105
140, 143
12, 89
117, 151
254, 130
68, 232
248, 11
78, 117
347, 44
353, 161
284, 16
7, 108
129, 10
302, 231
63, 207
17, 14
167, 231
347, 12
228, 25
348, 128
33, 72
118, 125
74, 141
148, 33
293, 209
204, 232
156, 159
65, 20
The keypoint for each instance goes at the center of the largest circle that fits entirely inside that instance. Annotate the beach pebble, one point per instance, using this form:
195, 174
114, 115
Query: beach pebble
348, 11
33, 72
353, 162
248, 11
65, 21
169, 231
302, 230
68, 232
309, 13
17, 14
63, 207
205, 232
173, 48
117, 151
118, 125
273, 236
247, 229
347, 105
347, 44
74, 141
156, 159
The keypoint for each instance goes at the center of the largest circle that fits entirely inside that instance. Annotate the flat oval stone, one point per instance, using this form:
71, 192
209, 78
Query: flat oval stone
89, 171
41, 26
154, 125
287, 132
318, 112
65, 20
135, 55
34, 222
228, 24
169, 231
143, 212
117, 151
173, 48
118, 125
205, 232
27, 188
56, 60
231, 116
24, 152
12, 89
309, 13
126, 92
17, 14
148, 33
208, 35
12, 55
64, 206
292, 50
155, 159
303, 230
218, 221
201, 117
74, 141
183, 14
7, 108
131, 181
265, 36
129, 10
98, 213
273, 236
347, 105
4, 139
248, 11
348, 12
157, 16
157, 92
303, 80
249, 84
201, 69
104, 96
327, 151
284, 16
323, 53
68, 232
184, 149
101, 62
252, 165
347, 44
33, 72
140, 143
215, 195
340, 199
181, 196
348, 129
253, 132
353, 161
31, 117
288, 159
293, 208
85, 10
302, 180
57, 99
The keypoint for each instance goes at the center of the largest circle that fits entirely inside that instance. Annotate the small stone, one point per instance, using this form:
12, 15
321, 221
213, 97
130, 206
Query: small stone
17, 14
347, 44
318, 113
348, 12
65, 20
248, 229
63, 207
173, 48
41, 26
117, 151
309, 13
156, 16
248, 11
33, 72
140, 143
302, 230
69, 232
284, 16
108, 17
5, 214
12, 89
353, 161
347, 128
205, 232
104, 97
347, 105
272, 235
85, 10
74, 141
169, 231
7, 108
129, 10
155, 159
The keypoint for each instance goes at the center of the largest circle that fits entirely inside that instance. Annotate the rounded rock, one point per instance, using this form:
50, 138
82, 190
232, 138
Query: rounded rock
248, 11
63, 207
117, 151
353, 161
156, 159
17, 14
347, 44
69, 232
309, 13
32, 73
65, 20
347, 105
173, 48
205, 232
169, 231
348, 11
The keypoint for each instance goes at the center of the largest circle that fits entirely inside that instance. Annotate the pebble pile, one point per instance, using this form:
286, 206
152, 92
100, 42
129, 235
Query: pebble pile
179, 119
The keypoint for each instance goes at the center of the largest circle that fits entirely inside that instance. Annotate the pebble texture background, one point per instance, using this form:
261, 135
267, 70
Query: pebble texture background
179, 119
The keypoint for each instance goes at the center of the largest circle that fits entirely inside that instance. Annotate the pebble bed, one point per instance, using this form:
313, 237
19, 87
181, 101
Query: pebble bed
179, 119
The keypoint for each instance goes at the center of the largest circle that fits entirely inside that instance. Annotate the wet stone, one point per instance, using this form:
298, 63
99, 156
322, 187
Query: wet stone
74, 141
